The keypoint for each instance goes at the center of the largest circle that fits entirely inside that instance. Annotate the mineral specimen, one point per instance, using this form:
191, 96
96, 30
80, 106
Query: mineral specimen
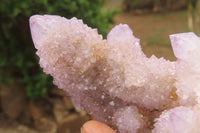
115, 82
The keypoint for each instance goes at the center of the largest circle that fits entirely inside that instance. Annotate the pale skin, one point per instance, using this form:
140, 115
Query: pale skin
96, 127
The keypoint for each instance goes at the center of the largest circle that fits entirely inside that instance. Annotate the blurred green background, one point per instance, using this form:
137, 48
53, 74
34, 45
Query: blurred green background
28, 96
17, 54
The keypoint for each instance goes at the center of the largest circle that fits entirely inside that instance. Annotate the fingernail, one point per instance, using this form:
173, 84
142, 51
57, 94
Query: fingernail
93, 126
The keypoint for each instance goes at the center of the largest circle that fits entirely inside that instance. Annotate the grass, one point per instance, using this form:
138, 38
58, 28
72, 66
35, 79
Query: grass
183, 14
157, 39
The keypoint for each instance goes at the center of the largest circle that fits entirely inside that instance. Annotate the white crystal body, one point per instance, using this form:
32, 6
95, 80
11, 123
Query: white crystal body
115, 81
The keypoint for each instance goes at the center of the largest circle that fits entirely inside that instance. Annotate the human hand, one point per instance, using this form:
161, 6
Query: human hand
96, 127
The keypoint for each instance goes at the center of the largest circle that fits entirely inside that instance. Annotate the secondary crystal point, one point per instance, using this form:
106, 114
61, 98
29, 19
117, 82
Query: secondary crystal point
184, 44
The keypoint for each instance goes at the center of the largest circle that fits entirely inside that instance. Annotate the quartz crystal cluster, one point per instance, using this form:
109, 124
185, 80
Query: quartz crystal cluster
113, 79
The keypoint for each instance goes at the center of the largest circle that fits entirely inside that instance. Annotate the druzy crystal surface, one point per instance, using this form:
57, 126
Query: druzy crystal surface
113, 79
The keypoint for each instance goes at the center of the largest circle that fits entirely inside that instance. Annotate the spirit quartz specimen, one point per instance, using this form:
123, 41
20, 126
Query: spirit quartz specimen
115, 82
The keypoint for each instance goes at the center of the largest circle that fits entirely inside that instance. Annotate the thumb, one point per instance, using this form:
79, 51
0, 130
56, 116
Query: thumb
96, 127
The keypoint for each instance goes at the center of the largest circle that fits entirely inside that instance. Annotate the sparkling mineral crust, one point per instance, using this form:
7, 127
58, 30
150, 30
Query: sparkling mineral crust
115, 82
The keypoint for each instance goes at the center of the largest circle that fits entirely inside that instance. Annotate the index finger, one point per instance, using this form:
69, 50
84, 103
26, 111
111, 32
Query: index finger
96, 127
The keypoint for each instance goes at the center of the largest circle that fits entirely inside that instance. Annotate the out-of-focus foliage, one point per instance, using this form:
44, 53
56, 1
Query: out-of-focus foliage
193, 16
17, 54
193, 3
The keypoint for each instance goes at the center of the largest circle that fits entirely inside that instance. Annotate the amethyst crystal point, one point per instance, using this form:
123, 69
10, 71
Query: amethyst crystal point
186, 47
144, 81
113, 79
178, 120
184, 44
